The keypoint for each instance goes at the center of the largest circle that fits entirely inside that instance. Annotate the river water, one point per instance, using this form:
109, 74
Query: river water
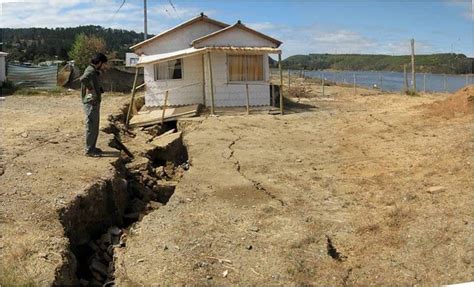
393, 81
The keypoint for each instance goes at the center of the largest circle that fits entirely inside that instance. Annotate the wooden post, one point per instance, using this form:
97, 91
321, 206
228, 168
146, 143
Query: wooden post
413, 75
281, 83
424, 83
248, 98
132, 100
355, 87
164, 108
405, 77
203, 82
289, 79
211, 82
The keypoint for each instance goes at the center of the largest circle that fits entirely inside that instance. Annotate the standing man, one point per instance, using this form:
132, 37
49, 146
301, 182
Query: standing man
91, 96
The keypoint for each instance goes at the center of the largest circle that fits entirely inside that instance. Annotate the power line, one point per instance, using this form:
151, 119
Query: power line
174, 8
118, 10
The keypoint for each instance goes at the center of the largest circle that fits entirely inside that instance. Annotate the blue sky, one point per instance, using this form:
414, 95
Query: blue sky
317, 26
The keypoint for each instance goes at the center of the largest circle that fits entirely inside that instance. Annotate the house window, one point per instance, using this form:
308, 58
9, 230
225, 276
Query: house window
133, 61
245, 68
169, 70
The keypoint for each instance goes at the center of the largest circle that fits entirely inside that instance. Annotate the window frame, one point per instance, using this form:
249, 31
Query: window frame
229, 82
155, 74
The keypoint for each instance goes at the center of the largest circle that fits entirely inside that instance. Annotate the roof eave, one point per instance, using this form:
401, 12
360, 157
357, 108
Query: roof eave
237, 25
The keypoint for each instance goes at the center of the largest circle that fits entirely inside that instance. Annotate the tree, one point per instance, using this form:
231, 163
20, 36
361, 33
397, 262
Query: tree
84, 48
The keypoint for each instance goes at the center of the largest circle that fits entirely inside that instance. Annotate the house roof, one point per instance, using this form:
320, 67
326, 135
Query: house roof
159, 58
3, 54
237, 25
201, 17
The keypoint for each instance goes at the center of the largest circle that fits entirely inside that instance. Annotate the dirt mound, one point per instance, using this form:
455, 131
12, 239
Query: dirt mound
459, 104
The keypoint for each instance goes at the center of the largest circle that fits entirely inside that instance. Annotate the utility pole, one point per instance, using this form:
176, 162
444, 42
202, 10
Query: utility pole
145, 30
413, 77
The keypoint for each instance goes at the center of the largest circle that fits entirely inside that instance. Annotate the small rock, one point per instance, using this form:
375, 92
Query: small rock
254, 228
225, 273
97, 276
160, 172
436, 189
96, 265
140, 260
299, 160
114, 230
93, 246
106, 238
249, 247
185, 166
24, 135
29, 173
208, 277
106, 256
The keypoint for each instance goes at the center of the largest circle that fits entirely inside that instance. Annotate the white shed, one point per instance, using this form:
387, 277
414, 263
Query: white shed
204, 60
3, 74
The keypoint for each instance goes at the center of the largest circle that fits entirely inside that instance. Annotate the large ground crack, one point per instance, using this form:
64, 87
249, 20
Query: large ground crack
99, 220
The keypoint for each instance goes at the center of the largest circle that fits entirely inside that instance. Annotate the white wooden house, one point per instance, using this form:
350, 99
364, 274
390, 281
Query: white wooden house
203, 61
2, 67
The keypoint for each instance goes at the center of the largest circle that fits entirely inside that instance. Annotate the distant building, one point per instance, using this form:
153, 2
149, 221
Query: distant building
3, 74
131, 59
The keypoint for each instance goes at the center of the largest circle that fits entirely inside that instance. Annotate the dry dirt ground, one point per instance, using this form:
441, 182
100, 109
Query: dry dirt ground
346, 190
343, 190
42, 169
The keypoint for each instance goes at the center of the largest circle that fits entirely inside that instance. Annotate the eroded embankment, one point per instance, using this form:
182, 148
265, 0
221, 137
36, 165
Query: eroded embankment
99, 219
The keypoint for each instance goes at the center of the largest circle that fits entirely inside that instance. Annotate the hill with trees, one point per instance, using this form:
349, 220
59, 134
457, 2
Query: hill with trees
435, 63
41, 44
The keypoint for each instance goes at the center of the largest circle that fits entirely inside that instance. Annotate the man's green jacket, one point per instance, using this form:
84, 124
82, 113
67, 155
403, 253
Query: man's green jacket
90, 81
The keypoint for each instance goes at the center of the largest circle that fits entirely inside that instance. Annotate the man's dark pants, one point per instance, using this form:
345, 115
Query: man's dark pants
92, 112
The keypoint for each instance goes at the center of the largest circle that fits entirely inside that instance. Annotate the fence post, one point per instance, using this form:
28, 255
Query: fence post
248, 100
413, 75
355, 87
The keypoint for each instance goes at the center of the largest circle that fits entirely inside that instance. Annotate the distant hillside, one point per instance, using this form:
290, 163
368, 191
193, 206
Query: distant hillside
41, 44
436, 63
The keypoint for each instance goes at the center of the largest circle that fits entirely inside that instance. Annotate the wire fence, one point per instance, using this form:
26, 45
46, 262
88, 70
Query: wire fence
387, 81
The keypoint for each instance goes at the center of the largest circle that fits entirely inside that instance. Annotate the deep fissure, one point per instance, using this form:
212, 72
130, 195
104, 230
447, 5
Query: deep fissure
99, 222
